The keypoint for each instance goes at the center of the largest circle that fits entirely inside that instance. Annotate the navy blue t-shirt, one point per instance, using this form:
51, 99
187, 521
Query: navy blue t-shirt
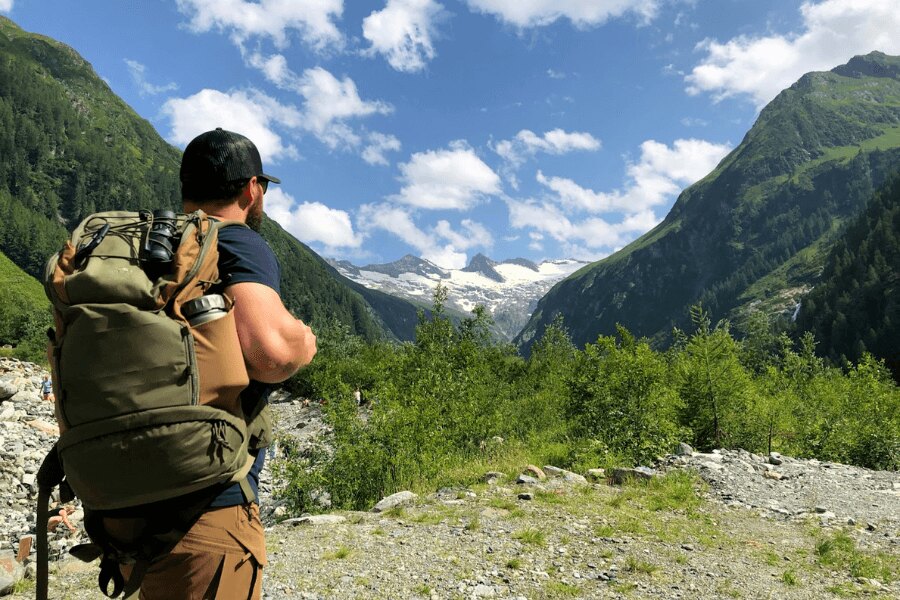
245, 257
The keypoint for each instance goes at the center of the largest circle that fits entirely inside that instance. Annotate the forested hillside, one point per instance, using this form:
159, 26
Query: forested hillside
754, 233
69, 146
856, 306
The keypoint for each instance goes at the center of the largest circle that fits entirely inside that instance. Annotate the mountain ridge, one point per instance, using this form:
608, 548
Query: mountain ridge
809, 162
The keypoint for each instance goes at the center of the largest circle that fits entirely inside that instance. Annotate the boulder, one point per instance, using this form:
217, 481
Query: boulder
620, 475
404, 498
684, 450
535, 471
7, 390
11, 572
567, 476
315, 520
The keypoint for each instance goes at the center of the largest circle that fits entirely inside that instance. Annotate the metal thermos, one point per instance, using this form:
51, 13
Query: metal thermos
204, 309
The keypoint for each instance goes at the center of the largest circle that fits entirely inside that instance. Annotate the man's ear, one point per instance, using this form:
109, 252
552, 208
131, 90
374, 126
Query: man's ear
246, 199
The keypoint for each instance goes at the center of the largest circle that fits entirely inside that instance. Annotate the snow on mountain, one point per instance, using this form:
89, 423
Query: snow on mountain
510, 289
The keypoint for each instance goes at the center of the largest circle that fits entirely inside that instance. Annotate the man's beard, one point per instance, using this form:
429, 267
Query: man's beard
254, 219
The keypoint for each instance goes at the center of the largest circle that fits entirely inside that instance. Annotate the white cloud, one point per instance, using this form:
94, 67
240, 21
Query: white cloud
252, 114
833, 32
569, 214
379, 144
329, 103
661, 172
311, 222
313, 20
582, 13
527, 143
555, 74
402, 32
446, 179
474, 234
6, 5
145, 88
442, 244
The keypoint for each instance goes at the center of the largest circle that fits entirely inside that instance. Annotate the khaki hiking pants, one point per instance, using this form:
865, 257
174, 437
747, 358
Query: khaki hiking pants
220, 558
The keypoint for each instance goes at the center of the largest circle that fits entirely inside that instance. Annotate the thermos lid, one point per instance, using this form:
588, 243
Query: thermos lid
203, 304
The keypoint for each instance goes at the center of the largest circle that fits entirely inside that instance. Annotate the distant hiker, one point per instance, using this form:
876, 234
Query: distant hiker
221, 174
357, 395
47, 389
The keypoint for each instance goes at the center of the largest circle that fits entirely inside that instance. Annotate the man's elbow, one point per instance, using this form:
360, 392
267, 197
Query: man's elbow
275, 362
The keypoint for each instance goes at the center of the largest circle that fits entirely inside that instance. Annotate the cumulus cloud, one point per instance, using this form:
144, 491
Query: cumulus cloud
582, 13
527, 144
442, 244
312, 222
402, 32
378, 145
570, 213
145, 88
6, 5
833, 31
312, 20
661, 172
446, 179
252, 114
329, 103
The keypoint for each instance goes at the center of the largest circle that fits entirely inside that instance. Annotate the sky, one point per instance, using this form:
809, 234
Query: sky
541, 129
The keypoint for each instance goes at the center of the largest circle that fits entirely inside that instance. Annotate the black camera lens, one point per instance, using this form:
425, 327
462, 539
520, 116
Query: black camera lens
162, 241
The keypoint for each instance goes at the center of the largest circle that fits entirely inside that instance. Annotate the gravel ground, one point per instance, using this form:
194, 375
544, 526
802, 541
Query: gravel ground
753, 534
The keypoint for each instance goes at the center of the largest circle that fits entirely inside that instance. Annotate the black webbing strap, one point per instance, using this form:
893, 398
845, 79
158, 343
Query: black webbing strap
42, 518
133, 587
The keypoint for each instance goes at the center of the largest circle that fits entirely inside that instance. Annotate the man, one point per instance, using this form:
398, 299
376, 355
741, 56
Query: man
223, 554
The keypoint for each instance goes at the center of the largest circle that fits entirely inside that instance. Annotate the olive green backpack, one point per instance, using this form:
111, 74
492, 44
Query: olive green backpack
148, 404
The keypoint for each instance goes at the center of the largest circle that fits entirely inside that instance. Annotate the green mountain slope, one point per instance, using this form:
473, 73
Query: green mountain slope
753, 233
69, 146
856, 305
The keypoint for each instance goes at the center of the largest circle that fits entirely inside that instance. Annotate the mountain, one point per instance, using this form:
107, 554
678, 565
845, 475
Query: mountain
855, 307
509, 289
484, 266
69, 147
754, 233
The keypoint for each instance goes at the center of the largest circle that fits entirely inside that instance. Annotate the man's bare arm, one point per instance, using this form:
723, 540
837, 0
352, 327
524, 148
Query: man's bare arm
274, 343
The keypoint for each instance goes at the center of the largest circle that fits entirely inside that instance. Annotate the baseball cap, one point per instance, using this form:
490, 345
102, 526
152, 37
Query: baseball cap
218, 157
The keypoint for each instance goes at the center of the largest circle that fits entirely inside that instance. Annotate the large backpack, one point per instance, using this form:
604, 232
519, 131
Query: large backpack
149, 407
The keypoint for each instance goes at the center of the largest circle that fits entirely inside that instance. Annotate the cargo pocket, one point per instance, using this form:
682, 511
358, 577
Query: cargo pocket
220, 363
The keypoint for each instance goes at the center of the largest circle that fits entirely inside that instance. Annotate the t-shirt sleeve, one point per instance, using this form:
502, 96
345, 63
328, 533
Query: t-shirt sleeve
245, 257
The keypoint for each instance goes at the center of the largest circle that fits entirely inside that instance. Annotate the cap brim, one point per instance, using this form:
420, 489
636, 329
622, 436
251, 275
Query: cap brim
269, 178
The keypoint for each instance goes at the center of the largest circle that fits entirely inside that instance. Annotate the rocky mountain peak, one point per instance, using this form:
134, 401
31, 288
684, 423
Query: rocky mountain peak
483, 265
874, 64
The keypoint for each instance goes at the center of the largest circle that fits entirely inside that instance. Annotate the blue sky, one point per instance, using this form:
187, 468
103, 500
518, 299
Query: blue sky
516, 128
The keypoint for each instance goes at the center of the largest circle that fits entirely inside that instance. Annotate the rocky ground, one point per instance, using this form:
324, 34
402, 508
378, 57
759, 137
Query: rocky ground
740, 526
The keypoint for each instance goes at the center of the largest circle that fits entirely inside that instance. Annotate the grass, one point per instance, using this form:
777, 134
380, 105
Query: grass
341, 553
514, 563
839, 552
423, 589
558, 589
531, 536
637, 565
790, 578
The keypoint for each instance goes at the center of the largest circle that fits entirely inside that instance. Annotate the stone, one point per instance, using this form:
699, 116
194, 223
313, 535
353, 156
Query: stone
492, 477
684, 450
404, 498
774, 475
596, 474
317, 520
483, 591
11, 572
775, 459
535, 471
25, 545
526, 480
7, 390
526, 496
622, 475
567, 476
